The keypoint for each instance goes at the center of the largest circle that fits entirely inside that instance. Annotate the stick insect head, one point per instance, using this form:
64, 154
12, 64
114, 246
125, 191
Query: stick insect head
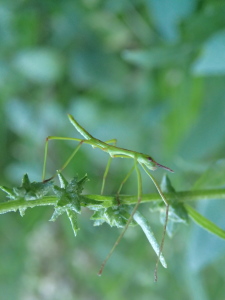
151, 164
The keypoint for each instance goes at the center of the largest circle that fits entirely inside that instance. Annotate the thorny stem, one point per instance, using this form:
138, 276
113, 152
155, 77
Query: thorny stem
184, 196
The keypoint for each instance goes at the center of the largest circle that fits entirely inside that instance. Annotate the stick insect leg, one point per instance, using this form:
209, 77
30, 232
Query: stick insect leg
125, 179
166, 218
123, 182
113, 142
67, 161
139, 181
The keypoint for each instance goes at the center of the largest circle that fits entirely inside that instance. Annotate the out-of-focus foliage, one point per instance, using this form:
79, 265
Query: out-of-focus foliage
149, 73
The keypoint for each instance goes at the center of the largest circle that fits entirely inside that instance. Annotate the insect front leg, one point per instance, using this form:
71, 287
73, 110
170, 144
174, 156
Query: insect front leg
123, 182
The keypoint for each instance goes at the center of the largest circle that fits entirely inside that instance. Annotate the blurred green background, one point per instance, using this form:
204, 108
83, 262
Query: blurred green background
149, 73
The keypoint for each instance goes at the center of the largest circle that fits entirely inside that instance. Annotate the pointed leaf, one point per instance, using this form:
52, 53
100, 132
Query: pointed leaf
10, 192
63, 182
205, 223
57, 212
22, 211
73, 220
26, 182
144, 224
166, 185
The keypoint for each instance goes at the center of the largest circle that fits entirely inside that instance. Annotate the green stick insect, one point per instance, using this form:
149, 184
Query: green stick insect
145, 161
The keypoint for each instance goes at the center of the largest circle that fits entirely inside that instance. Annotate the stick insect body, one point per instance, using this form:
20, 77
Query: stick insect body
145, 161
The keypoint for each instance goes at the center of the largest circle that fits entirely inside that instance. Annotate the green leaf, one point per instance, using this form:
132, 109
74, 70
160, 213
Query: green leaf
177, 211
205, 223
168, 14
62, 180
209, 63
69, 199
57, 212
177, 215
73, 220
28, 190
69, 192
157, 57
145, 226
10, 192
166, 185
114, 216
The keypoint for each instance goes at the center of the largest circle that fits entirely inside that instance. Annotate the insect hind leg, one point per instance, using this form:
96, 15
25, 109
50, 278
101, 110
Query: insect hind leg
67, 161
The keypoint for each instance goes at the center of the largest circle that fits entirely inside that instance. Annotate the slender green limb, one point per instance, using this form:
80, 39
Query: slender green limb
105, 174
45, 160
156, 184
70, 158
113, 141
124, 180
139, 180
46, 150
122, 183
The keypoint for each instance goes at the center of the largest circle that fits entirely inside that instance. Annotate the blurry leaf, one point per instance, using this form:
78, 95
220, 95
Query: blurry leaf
168, 13
204, 222
88, 67
158, 57
204, 247
207, 133
205, 22
213, 177
6, 32
39, 65
212, 60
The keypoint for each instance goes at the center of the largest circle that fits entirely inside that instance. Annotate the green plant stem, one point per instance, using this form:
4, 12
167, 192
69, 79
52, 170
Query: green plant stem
22, 204
107, 201
184, 196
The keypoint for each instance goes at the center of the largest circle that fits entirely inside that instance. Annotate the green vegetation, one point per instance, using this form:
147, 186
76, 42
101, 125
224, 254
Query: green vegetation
149, 73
